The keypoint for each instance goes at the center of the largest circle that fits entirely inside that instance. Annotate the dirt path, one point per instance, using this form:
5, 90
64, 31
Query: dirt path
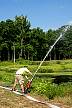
11, 100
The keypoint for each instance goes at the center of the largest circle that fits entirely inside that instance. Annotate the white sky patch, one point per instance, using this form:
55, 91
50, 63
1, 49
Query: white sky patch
70, 22
54, 28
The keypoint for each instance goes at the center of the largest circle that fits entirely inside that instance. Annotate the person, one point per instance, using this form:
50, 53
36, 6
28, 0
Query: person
20, 76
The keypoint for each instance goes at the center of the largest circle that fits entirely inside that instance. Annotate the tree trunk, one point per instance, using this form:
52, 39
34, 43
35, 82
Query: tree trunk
28, 55
21, 47
8, 55
54, 54
59, 56
50, 55
32, 58
0, 55
14, 54
24, 54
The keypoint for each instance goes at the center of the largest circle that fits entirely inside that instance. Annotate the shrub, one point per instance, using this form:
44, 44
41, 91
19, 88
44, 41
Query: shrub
58, 62
51, 90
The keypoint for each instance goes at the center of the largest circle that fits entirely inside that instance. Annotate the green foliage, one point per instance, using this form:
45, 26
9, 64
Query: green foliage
6, 77
46, 79
58, 62
51, 90
22, 61
33, 44
45, 70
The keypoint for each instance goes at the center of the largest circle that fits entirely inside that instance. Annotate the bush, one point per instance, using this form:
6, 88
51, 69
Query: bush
51, 90
58, 62
22, 61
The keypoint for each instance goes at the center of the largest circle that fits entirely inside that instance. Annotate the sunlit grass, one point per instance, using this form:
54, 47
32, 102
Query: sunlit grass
43, 83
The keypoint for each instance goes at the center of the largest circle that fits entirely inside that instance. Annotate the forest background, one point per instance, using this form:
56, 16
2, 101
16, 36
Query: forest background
32, 43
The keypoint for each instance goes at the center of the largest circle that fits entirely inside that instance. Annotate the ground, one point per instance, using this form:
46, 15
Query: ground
10, 100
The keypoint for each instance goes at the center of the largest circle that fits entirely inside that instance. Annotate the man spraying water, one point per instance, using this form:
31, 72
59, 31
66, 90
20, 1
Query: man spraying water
20, 76
29, 82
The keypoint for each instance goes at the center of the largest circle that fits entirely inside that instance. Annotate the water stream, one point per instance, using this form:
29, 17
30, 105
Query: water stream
50, 50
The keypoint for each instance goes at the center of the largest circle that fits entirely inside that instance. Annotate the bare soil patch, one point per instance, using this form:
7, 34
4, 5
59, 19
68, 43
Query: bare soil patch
11, 100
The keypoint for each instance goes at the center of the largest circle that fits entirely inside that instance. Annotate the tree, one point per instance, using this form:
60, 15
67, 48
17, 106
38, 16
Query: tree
23, 26
51, 37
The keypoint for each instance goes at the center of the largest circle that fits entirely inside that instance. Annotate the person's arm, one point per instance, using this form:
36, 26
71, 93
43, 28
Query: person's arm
29, 72
26, 77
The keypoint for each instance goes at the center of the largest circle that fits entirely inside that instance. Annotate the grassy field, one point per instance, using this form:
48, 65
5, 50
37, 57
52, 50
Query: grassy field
53, 80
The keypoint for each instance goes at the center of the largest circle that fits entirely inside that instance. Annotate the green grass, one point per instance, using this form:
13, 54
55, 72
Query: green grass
43, 83
55, 74
51, 90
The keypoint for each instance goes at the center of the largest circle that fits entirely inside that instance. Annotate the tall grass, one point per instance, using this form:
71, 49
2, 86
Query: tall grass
43, 83
51, 90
